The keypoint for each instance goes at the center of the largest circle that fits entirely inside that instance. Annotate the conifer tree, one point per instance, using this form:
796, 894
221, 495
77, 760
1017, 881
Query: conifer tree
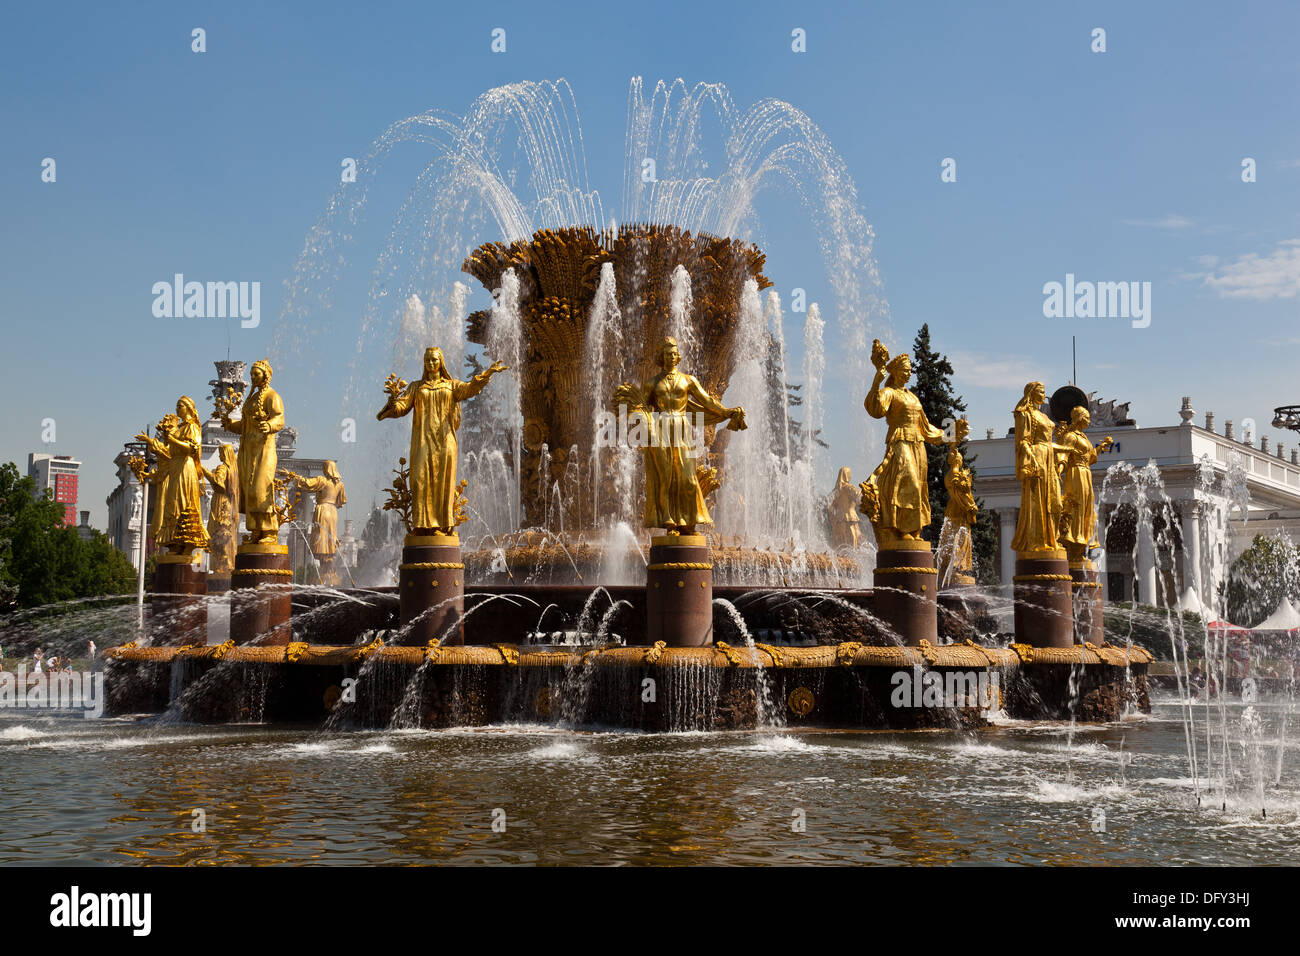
932, 385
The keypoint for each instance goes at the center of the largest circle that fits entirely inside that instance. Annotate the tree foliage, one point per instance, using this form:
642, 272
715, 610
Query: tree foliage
932, 385
1259, 578
41, 561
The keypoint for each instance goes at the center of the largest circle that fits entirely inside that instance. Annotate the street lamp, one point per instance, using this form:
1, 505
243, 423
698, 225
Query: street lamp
1287, 416
141, 449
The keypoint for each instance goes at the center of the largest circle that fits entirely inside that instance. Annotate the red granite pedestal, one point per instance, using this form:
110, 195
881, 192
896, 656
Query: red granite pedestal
261, 595
679, 591
906, 587
431, 588
1044, 613
1085, 589
178, 608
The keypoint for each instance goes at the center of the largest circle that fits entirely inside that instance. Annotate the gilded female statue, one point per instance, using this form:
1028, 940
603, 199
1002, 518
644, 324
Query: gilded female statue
665, 406
179, 521
956, 554
896, 498
843, 510
260, 420
435, 399
223, 513
1040, 487
330, 497
1079, 509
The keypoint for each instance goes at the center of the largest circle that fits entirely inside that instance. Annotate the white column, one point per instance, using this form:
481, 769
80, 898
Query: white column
1146, 562
1192, 547
1007, 519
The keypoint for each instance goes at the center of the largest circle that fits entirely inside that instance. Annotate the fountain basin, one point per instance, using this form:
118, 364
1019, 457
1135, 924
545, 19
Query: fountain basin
847, 685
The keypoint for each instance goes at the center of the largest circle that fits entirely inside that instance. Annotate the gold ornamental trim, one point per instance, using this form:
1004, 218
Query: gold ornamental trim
269, 572
908, 544
294, 650
257, 547
678, 540
1047, 554
778, 660
1088, 584
432, 566
222, 650
194, 558
728, 652
846, 652
979, 647
1023, 651
906, 571
801, 701
653, 654
509, 653
1043, 577
681, 566
927, 651
432, 541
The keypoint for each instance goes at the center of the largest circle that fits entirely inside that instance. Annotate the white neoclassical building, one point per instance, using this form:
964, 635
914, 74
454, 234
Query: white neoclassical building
1177, 503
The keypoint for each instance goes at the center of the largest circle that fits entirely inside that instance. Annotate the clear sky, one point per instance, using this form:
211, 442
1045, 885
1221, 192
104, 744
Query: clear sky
1117, 166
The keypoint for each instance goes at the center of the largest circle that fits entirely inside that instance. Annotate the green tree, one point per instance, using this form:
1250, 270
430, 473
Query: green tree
1259, 578
932, 385
41, 561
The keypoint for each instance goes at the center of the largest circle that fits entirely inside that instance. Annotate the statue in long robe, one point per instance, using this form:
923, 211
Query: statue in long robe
663, 407
223, 512
179, 519
330, 497
842, 510
1078, 530
435, 401
260, 420
956, 551
896, 498
1040, 485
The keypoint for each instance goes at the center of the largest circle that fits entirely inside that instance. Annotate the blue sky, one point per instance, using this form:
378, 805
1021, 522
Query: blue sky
1115, 166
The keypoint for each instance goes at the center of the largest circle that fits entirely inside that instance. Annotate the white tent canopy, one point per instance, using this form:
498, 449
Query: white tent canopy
1285, 618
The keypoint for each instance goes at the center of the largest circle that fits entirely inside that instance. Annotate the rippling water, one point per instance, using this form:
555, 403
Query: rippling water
114, 791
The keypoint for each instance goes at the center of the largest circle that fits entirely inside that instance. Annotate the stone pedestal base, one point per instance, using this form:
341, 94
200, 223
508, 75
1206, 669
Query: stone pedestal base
261, 595
431, 586
679, 591
1085, 589
1044, 612
178, 609
906, 587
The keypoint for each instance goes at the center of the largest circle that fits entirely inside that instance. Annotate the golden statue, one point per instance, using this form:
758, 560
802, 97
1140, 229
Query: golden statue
260, 420
1040, 486
664, 406
178, 522
436, 399
956, 554
330, 496
223, 513
896, 498
1079, 509
843, 511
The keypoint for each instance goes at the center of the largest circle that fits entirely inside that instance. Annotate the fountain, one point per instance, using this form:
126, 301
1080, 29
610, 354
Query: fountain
563, 577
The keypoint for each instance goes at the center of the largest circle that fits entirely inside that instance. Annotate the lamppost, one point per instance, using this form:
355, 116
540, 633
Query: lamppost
141, 450
1287, 416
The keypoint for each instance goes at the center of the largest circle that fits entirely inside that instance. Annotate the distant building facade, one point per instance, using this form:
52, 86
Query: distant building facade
57, 473
1183, 502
